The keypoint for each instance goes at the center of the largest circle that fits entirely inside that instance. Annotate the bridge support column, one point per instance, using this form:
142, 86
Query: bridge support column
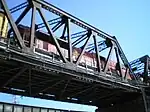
132, 106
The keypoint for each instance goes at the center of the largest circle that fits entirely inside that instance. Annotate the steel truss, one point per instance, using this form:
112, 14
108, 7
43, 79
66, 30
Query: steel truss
67, 78
65, 19
141, 67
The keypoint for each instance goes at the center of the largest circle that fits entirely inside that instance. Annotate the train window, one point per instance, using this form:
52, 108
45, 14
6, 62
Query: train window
51, 110
43, 110
27, 109
7, 108
1, 107
36, 109
18, 108
45, 45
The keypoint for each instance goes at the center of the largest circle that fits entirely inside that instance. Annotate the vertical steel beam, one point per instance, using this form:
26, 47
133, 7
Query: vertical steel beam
30, 89
69, 41
97, 54
108, 58
146, 63
84, 46
144, 99
127, 71
32, 31
52, 36
12, 23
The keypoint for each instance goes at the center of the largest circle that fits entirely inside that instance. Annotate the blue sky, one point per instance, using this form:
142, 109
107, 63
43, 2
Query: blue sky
128, 20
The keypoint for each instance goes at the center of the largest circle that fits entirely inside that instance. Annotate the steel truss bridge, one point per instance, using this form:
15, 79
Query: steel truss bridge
141, 67
23, 71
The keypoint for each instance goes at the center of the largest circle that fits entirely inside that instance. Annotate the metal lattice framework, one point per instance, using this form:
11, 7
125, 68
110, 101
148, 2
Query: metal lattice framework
24, 72
141, 67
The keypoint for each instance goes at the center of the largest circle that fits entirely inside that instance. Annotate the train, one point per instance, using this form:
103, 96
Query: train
44, 46
3, 24
88, 59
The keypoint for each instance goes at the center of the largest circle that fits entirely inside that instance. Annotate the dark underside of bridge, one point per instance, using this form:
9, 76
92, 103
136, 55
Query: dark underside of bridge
26, 76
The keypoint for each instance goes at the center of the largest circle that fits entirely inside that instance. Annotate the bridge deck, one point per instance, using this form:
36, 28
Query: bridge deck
35, 76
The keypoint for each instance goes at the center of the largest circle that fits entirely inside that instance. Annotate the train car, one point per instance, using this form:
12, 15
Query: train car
3, 25
44, 46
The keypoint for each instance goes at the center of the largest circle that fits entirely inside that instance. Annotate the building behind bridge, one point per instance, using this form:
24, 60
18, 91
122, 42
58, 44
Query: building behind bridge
8, 107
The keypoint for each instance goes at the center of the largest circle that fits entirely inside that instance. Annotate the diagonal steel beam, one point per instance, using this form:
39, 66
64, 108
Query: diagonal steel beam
84, 47
97, 54
62, 92
18, 7
63, 33
80, 39
12, 23
52, 36
38, 83
88, 88
51, 22
14, 77
20, 17
10, 70
106, 96
47, 87
118, 61
58, 25
122, 55
108, 58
